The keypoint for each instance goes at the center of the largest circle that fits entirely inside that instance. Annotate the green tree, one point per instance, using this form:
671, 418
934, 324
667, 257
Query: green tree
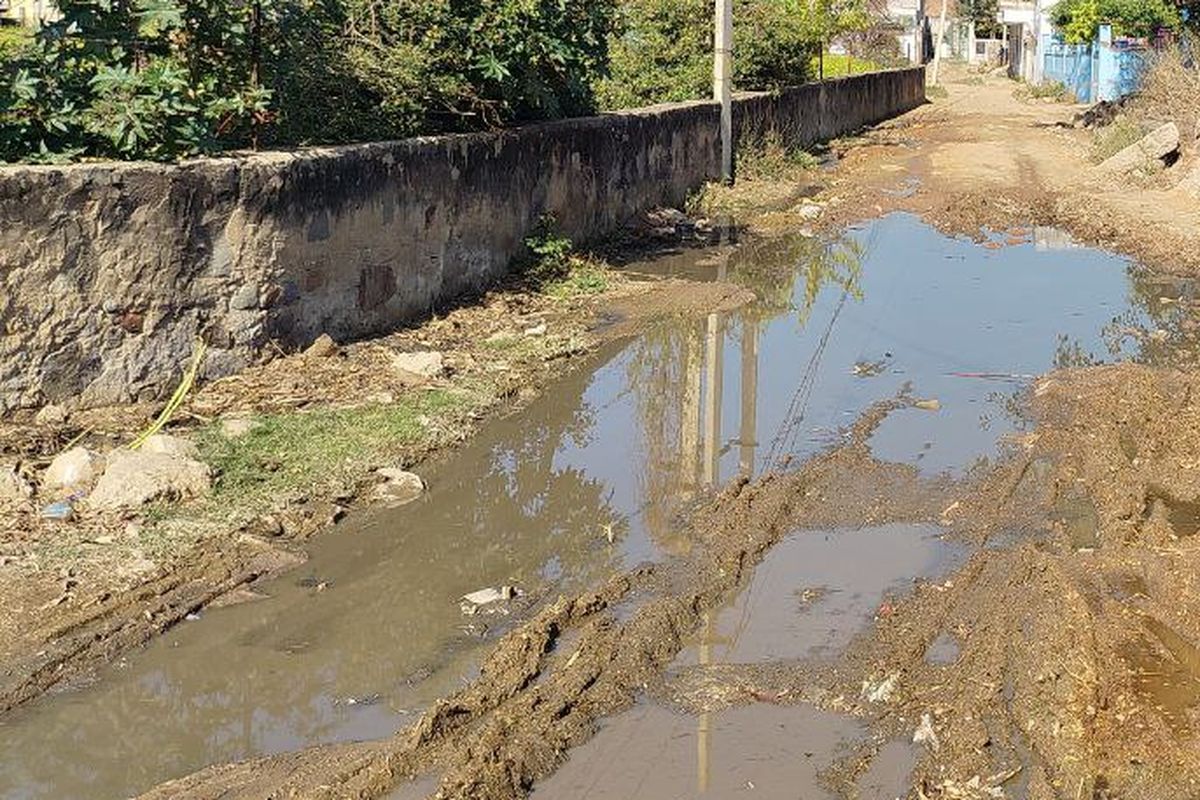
1080, 20
983, 14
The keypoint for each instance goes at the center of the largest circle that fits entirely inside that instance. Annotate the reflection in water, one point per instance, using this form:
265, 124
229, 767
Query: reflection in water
531, 500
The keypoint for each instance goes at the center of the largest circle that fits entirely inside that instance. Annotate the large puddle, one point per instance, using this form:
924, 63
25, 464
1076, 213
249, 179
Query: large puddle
587, 481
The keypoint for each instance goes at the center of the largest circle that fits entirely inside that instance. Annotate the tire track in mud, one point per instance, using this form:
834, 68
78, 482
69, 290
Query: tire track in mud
116, 623
547, 684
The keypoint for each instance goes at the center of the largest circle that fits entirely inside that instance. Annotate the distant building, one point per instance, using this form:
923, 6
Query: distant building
904, 17
30, 13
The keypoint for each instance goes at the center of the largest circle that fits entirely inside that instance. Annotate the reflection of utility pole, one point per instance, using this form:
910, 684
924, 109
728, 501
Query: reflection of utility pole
749, 434
722, 82
712, 400
703, 726
689, 423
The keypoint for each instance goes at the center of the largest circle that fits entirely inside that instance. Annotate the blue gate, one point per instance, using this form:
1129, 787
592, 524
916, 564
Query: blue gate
1103, 70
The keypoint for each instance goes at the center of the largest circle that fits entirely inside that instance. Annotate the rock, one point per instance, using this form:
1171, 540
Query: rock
1154, 146
670, 216
51, 415
171, 446
810, 211
423, 365
268, 526
75, 468
323, 347
245, 298
136, 477
1191, 182
400, 487
13, 488
235, 427
536, 330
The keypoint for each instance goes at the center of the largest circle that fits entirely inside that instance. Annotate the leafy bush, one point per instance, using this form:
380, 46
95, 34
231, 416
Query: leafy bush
1079, 20
144, 79
165, 79
556, 268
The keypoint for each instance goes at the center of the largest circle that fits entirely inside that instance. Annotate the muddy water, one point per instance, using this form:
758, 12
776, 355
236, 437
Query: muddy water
806, 600
816, 590
756, 751
588, 480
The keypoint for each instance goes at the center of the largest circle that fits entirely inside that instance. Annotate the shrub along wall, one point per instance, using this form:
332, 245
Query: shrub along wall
111, 271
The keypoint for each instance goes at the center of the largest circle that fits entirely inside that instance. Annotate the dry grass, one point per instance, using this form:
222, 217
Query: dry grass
1112, 139
1171, 91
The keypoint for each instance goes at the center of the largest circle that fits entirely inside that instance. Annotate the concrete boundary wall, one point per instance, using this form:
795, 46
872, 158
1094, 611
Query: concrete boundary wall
110, 271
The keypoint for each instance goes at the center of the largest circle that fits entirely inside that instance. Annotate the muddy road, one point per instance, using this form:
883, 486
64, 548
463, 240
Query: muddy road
917, 521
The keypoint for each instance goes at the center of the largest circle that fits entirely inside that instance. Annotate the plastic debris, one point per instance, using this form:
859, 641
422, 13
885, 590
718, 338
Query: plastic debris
60, 511
882, 691
489, 600
925, 734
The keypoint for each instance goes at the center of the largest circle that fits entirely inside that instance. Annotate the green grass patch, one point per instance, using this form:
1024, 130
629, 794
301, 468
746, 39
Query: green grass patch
839, 66
936, 92
287, 451
584, 276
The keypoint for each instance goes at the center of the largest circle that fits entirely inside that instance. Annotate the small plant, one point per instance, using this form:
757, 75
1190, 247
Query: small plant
936, 92
549, 250
556, 269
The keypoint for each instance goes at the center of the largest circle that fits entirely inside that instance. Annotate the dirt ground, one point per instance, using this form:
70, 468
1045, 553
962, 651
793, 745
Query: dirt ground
982, 161
1076, 618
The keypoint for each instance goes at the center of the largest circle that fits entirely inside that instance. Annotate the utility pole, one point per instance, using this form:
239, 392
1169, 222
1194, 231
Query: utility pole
722, 79
937, 43
1037, 43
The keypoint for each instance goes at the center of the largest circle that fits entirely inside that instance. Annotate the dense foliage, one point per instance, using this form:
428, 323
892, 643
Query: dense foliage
663, 49
1079, 20
164, 79
471, 63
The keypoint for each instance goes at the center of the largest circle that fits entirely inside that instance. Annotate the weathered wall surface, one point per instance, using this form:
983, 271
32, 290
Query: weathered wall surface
111, 271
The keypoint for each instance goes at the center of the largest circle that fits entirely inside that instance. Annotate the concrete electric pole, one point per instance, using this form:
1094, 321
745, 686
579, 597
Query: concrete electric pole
937, 43
722, 83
